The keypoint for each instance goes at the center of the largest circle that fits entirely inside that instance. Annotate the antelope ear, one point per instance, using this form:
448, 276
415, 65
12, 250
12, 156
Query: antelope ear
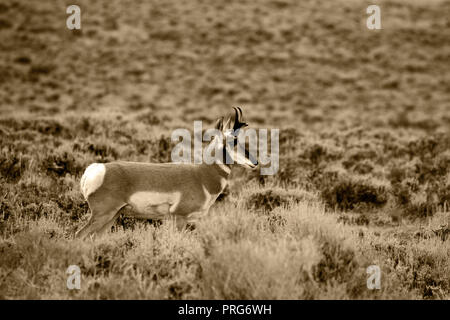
227, 124
219, 124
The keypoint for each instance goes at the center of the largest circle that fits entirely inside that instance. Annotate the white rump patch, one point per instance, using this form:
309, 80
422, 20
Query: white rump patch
92, 179
147, 202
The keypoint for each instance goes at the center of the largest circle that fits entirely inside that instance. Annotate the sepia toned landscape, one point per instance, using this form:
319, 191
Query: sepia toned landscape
364, 146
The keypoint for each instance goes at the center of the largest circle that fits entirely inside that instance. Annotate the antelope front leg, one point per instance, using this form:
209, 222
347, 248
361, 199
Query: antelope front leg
179, 221
188, 222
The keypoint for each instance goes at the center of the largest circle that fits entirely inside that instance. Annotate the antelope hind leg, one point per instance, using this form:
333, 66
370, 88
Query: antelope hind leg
103, 214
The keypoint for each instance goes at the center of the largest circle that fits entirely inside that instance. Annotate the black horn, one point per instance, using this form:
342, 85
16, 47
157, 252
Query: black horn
238, 123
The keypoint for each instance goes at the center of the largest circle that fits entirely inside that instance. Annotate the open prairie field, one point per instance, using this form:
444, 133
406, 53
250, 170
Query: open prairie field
364, 146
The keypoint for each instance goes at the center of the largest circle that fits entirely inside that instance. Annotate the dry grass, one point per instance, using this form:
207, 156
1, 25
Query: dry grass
232, 254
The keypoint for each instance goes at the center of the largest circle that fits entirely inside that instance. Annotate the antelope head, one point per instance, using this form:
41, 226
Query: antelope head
229, 141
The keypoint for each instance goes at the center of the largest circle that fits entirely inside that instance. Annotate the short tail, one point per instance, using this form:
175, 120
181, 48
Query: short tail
92, 179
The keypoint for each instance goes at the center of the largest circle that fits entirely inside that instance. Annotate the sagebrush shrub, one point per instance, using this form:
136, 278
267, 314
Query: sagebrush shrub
12, 166
347, 194
59, 164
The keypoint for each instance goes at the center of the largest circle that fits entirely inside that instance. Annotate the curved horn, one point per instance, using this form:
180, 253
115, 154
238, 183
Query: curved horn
238, 119
240, 113
236, 114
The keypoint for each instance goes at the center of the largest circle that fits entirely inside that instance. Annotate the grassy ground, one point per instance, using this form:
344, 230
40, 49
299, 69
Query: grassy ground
364, 124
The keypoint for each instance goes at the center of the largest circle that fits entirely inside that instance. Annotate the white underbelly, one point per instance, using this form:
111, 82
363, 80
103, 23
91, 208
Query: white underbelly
153, 205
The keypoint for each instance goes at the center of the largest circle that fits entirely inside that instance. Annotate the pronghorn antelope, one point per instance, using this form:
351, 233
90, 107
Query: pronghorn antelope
160, 190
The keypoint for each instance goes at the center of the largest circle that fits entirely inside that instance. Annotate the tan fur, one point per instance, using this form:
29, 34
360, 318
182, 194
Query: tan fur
181, 191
